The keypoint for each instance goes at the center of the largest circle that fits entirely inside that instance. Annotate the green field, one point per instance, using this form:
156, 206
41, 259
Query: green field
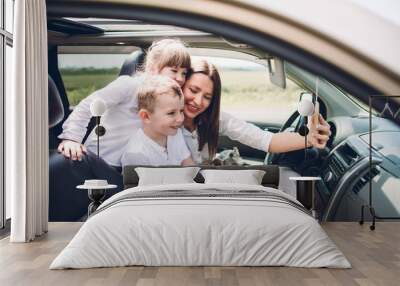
250, 91
79, 83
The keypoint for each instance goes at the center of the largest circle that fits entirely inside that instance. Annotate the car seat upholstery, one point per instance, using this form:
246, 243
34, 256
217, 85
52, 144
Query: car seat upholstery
56, 109
132, 63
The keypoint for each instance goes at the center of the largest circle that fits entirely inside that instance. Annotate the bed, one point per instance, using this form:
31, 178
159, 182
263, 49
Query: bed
201, 224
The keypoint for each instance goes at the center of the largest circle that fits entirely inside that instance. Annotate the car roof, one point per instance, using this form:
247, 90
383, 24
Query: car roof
374, 33
340, 33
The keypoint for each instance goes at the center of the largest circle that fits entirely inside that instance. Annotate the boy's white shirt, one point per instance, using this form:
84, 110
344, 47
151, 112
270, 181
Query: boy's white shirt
121, 120
142, 150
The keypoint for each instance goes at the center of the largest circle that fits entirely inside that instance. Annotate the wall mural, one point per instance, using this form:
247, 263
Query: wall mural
391, 112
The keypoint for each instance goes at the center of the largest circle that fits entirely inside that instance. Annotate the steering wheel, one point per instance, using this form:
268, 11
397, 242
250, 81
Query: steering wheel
294, 159
274, 158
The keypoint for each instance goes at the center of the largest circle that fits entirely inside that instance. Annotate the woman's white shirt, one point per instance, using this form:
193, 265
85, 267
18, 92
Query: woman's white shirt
120, 119
192, 142
236, 129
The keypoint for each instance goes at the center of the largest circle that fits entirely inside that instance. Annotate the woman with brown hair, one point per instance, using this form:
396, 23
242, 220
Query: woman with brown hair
204, 122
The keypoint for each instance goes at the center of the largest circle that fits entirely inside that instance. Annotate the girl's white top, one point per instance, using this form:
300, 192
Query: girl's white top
120, 119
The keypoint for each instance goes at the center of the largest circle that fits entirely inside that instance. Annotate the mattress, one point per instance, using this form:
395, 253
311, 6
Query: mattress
201, 225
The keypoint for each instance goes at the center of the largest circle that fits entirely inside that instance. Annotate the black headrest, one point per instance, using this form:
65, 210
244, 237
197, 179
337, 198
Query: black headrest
270, 179
56, 109
132, 63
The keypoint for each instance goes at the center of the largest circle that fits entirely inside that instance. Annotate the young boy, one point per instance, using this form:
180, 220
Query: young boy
160, 141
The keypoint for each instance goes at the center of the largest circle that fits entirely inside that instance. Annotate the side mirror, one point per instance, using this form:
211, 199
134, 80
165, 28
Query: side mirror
277, 72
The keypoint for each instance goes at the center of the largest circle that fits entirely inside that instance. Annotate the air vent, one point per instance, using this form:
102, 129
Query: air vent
365, 179
337, 167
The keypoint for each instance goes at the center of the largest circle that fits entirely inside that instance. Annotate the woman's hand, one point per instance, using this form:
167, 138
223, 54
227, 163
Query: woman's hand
72, 150
319, 134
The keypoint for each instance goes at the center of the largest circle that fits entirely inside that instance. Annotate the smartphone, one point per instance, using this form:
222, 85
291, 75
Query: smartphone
315, 116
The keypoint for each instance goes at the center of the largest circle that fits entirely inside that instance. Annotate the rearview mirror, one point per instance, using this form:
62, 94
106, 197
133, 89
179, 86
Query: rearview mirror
277, 72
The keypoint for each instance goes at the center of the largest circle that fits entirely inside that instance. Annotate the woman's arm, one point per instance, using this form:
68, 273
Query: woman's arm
244, 132
251, 135
74, 128
290, 141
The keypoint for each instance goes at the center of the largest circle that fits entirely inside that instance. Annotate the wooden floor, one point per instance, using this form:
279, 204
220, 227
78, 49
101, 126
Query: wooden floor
374, 255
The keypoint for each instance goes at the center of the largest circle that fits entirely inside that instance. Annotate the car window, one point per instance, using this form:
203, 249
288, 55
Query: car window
357, 101
83, 74
248, 94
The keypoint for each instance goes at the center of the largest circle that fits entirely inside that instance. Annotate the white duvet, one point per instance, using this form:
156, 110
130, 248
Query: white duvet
190, 230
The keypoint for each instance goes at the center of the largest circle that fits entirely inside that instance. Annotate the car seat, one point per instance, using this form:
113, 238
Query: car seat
56, 109
132, 63
56, 113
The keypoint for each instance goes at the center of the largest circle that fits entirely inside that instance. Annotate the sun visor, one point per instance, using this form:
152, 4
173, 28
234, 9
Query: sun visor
276, 70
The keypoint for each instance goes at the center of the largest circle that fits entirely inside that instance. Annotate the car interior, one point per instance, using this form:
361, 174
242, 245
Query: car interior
344, 165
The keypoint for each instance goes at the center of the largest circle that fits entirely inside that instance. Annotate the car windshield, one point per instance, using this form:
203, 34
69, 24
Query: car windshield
247, 91
357, 101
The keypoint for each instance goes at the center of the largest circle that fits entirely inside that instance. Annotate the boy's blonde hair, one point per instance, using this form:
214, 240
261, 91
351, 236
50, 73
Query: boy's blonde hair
154, 86
167, 53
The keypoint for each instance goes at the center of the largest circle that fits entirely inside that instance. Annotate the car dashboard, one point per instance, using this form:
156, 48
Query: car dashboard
347, 169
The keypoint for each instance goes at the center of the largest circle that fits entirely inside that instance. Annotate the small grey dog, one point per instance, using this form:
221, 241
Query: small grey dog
228, 158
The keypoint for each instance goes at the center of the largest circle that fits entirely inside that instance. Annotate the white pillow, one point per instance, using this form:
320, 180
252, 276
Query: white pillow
164, 176
248, 177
